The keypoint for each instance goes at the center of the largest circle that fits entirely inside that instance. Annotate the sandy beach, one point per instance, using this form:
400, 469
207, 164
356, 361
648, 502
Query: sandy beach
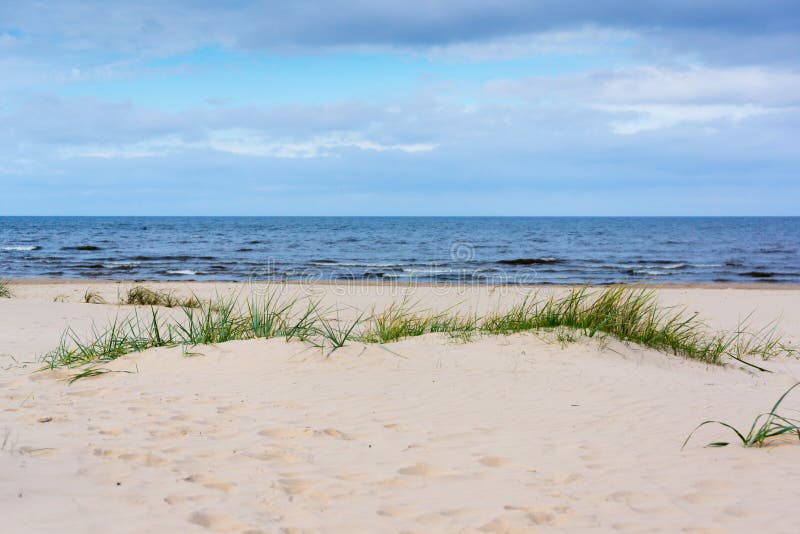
519, 433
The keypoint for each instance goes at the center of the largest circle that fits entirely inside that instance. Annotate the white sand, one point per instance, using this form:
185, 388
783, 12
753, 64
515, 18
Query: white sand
508, 434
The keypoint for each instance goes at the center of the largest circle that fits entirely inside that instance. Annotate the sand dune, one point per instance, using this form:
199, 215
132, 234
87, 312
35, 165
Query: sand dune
501, 434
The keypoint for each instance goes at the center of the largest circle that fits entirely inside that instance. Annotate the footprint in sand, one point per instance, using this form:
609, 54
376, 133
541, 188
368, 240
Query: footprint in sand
333, 433
494, 461
276, 455
396, 482
396, 511
536, 514
176, 500
217, 522
505, 525
288, 433
421, 470
303, 433
294, 487
149, 460
211, 483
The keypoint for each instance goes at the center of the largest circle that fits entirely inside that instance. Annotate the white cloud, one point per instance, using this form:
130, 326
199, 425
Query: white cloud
320, 146
659, 116
243, 143
658, 97
700, 85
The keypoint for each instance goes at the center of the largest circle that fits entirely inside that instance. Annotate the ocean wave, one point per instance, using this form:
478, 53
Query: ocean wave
88, 248
430, 271
173, 258
530, 261
120, 265
334, 263
758, 274
777, 250
21, 248
183, 272
648, 272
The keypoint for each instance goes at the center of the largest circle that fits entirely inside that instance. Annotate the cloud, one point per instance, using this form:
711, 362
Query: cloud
699, 27
651, 98
90, 128
658, 116
241, 143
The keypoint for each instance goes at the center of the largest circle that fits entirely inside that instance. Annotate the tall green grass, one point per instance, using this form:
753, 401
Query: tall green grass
764, 427
631, 315
628, 314
5, 291
400, 321
335, 331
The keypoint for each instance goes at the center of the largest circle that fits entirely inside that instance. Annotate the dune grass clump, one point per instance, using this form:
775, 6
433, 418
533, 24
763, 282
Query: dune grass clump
93, 297
5, 291
633, 315
394, 323
399, 321
212, 323
142, 296
765, 426
628, 314
120, 337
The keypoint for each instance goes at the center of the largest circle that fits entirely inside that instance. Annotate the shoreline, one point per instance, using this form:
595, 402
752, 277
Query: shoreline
376, 283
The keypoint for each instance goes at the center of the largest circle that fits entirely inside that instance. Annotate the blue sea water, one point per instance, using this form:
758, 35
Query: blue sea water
593, 250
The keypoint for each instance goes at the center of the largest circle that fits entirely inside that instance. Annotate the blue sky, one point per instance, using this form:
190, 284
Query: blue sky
346, 107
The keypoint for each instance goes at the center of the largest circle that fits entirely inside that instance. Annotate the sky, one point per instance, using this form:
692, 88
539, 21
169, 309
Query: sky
373, 107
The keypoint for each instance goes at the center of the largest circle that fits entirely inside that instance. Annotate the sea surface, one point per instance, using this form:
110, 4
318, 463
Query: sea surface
551, 250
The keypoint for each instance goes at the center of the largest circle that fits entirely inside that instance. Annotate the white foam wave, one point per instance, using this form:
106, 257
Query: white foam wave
21, 248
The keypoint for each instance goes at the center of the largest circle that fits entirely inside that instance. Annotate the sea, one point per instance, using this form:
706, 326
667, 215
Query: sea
475, 250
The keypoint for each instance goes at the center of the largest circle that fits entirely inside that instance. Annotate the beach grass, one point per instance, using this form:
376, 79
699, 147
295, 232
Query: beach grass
142, 296
631, 315
268, 316
764, 427
335, 331
5, 291
93, 297
400, 320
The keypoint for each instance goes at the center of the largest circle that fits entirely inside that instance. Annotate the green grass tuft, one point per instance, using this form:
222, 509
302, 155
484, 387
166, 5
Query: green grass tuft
142, 296
212, 323
5, 291
765, 426
336, 331
267, 316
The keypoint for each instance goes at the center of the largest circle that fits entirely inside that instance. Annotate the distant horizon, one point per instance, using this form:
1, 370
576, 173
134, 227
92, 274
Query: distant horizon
101, 216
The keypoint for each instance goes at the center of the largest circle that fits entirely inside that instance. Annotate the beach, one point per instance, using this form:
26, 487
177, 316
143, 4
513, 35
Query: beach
517, 433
